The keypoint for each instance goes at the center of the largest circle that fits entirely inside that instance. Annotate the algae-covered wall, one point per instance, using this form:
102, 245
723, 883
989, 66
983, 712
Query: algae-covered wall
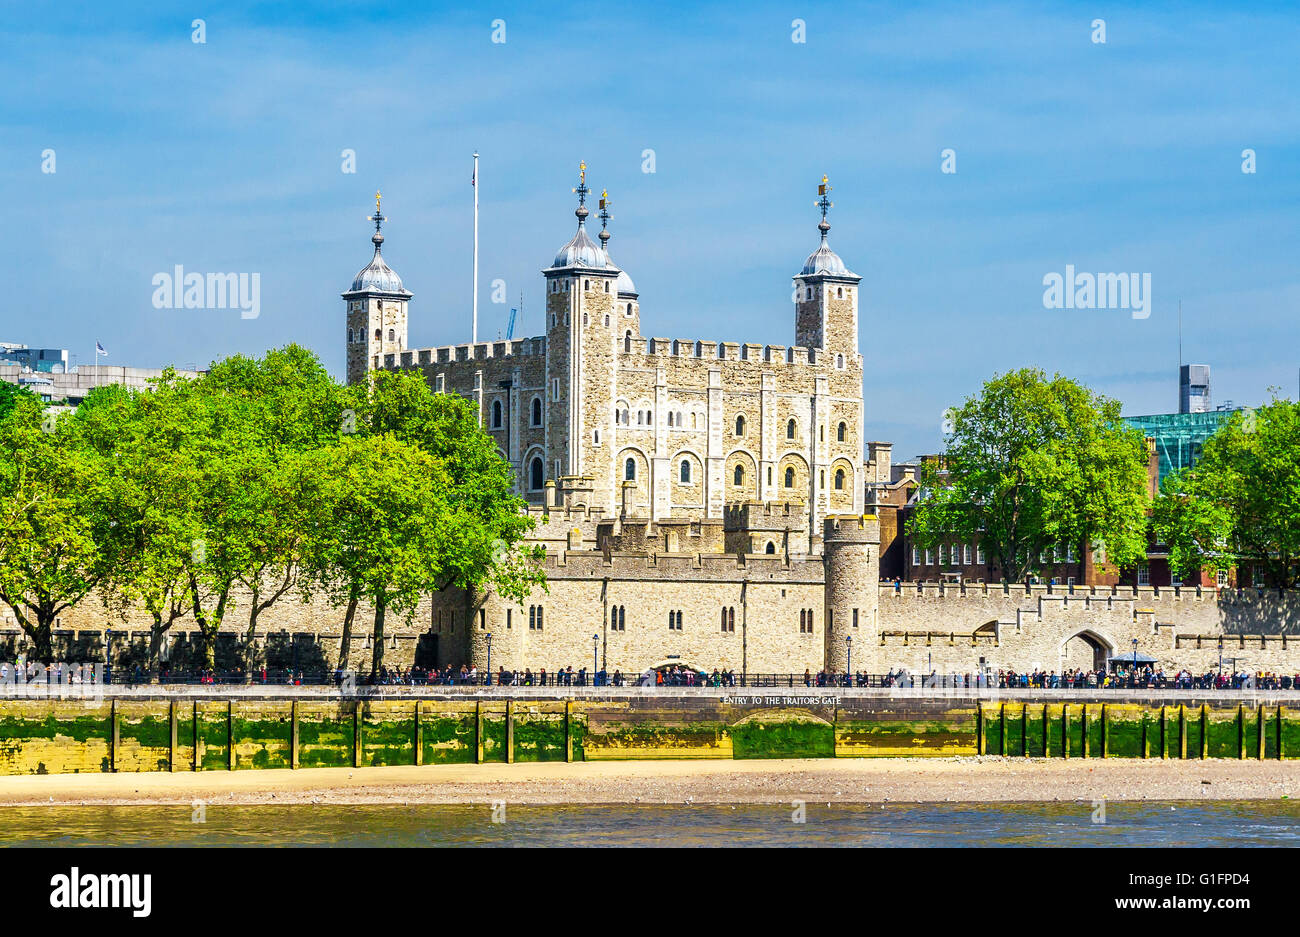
49, 737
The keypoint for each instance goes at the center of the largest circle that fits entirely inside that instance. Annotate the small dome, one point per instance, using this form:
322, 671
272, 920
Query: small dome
377, 277
825, 261
581, 252
624, 284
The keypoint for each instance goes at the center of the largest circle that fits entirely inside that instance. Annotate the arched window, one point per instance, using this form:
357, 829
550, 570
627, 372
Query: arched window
606, 290
840, 431
771, 547
392, 337
839, 292
740, 426
739, 475
535, 474
496, 414
670, 418
607, 321
350, 338
537, 411
627, 339
629, 310
789, 430
595, 437
839, 362
379, 335
839, 479
686, 472
789, 476
629, 470
625, 416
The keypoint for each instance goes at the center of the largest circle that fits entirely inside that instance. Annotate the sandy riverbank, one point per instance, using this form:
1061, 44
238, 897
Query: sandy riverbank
727, 782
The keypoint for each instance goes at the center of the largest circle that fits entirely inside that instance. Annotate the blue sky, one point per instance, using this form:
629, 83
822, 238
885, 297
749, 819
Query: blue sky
225, 156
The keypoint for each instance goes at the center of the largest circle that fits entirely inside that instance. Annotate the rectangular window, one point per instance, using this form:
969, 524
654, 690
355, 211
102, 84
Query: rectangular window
979, 554
1221, 578
943, 554
855, 618
509, 616
1144, 575
555, 388
439, 383
482, 619
929, 556
966, 551
916, 556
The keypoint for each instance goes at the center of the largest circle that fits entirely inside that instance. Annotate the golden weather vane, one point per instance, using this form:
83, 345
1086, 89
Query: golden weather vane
377, 198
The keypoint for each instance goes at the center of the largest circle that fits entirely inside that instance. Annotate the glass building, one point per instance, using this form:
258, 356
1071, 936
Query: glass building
1179, 437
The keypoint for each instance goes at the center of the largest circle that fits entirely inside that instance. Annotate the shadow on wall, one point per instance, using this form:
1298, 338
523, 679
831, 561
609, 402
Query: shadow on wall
1259, 612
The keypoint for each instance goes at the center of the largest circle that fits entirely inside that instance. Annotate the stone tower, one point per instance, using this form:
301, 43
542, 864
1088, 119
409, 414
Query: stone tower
376, 311
851, 558
582, 329
826, 296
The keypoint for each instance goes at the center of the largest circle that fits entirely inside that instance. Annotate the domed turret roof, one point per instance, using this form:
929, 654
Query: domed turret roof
377, 276
624, 284
824, 261
581, 251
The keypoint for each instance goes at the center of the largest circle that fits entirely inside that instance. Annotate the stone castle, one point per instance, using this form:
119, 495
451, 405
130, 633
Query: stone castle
703, 503
710, 503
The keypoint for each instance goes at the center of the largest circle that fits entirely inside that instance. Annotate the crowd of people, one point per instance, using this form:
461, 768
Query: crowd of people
1123, 676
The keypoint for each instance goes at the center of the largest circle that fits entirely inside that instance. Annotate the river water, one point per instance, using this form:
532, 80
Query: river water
1228, 823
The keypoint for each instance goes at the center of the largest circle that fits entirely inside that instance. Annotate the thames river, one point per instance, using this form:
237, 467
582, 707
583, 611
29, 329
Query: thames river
1223, 823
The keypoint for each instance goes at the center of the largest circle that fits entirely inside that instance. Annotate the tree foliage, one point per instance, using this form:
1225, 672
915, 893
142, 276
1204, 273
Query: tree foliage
261, 478
1032, 462
1240, 503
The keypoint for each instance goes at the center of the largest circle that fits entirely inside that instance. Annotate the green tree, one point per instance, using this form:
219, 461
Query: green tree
1033, 462
292, 407
1240, 503
150, 499
10, 394
489, 519
51, 516
384, 534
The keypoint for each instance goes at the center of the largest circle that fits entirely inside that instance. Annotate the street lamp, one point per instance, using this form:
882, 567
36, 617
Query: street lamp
848, 665
595, 641
1135, 655
489, 660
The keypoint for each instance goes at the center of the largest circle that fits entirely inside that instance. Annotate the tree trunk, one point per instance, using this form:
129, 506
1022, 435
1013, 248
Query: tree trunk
377, 652
42, 635
345, 652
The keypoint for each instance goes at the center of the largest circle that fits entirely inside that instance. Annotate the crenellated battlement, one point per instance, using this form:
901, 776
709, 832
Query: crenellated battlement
715, 567
707, 350
481, 351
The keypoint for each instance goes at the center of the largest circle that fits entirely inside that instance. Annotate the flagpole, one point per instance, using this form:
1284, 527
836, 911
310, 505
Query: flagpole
474, 330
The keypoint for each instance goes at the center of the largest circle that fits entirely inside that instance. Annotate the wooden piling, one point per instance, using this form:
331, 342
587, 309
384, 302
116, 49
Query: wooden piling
568, 730
510, 731
293, 734
114, 735
358, 743
419, 733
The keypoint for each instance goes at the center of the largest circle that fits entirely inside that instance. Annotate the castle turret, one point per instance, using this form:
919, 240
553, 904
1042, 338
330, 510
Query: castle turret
826, 295
581, 335
851, 558
376, 310
627, 305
